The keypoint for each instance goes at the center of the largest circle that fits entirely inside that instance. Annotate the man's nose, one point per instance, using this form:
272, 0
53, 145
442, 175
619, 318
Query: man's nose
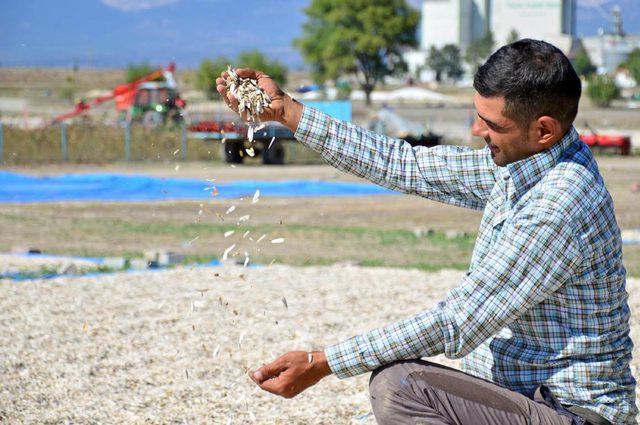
479, 128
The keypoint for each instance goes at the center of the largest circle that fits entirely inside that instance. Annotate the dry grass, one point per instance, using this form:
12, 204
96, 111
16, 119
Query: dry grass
379, 230
100, 144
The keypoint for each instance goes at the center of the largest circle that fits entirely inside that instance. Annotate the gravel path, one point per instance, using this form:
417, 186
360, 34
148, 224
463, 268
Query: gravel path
174, 346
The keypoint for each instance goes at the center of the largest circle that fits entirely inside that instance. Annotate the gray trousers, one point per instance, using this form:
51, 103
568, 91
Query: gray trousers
419, 392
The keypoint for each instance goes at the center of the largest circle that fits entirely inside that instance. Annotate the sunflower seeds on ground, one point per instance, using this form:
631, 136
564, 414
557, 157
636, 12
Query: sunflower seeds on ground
240, 339
244, 218
277, 240
216, 351
246, 233
229, 233
261, 238
284, 301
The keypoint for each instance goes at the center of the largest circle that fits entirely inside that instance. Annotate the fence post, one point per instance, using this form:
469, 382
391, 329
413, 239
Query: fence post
1, 142
183, 148
63, 141
127, 141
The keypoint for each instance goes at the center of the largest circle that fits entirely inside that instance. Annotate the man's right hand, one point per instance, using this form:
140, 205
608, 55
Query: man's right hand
282, 107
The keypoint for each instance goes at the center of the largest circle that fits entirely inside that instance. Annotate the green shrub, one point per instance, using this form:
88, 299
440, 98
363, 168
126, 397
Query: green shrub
602, 90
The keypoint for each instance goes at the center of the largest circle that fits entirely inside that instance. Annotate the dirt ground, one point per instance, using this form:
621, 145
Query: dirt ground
174, 346
398, 231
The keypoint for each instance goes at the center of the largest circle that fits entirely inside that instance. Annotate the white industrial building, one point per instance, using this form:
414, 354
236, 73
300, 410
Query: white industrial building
460, 22
608, 50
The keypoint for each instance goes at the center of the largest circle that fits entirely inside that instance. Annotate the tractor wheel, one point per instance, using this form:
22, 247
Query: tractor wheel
273, 156
232, 152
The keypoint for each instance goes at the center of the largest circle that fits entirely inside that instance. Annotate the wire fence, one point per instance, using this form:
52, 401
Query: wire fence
82, 143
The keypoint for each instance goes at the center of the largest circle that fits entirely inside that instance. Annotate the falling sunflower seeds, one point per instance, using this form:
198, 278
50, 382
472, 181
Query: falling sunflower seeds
227, 251
231, 209
256, 197
284, 301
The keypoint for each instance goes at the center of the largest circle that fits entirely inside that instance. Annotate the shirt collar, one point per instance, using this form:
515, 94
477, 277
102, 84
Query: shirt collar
527, 172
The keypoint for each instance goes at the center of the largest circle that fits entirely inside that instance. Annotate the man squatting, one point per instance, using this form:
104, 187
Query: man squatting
540, 320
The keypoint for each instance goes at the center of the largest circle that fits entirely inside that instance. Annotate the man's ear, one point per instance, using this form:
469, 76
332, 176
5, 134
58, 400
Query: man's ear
547, 131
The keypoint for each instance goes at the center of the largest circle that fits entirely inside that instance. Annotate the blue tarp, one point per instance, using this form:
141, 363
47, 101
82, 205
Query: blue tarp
16, 187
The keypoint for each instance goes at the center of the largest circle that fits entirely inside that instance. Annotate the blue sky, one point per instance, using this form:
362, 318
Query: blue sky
113, 33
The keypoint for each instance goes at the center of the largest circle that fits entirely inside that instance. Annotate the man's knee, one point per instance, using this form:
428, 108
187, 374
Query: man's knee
397, 375
393, 382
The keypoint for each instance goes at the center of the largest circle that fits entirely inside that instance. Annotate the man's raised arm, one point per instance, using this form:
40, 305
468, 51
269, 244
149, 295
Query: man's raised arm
455, 175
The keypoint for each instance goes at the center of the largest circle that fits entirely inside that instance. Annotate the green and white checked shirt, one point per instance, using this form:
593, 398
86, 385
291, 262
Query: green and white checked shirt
544, 300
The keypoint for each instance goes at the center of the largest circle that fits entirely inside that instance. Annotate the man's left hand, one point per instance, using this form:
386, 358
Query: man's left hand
292, 373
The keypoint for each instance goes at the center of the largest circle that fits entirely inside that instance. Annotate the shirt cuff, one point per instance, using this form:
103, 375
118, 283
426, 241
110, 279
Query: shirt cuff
313, 128
344, 359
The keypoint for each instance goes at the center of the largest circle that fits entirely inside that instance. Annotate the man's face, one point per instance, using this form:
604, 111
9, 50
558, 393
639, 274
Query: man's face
506, 139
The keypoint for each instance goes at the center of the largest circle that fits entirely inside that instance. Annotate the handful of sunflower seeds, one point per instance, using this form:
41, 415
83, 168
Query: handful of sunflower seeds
252, 100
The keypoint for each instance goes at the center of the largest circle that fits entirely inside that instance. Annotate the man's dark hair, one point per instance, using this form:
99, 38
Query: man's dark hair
535, 78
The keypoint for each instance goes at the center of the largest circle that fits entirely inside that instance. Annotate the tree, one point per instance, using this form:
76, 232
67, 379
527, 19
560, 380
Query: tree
208, 71
513, 36
135, 72
633, 64
602, 90
582, 64
445, 61
479, 50
453, 62
360, 37
68, 91
436, 62
255, 60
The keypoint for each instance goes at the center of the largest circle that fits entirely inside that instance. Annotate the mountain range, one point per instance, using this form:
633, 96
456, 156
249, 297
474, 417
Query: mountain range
114, 33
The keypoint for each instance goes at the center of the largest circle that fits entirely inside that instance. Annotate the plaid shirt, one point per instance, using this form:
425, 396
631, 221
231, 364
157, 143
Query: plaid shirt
544, 300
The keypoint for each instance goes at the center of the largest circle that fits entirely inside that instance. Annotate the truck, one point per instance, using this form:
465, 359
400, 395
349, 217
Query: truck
268, 141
